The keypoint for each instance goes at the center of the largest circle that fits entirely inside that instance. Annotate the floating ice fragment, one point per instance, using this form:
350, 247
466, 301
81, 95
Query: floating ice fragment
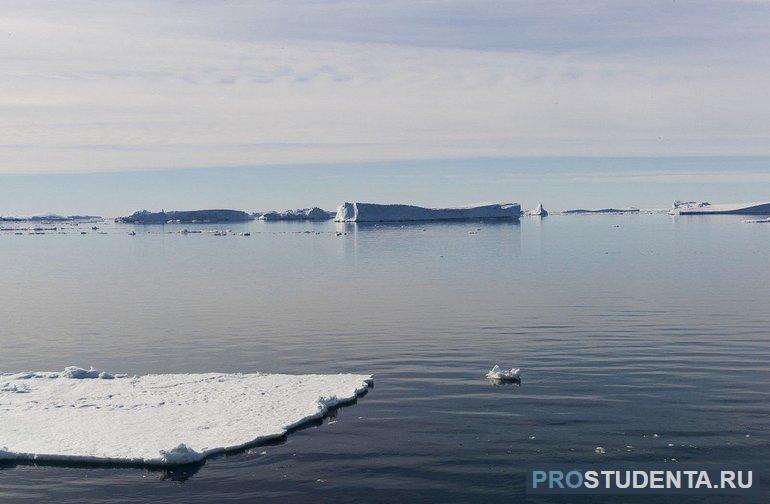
180, 455
496, 373
77, 373
538, 211
599, 450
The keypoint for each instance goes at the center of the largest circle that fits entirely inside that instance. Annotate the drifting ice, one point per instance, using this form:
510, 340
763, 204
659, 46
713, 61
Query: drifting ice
372, 212
85, 415
538, 211
503, 374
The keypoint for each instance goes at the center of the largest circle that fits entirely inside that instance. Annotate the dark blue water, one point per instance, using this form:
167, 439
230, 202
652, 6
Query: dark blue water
647, 335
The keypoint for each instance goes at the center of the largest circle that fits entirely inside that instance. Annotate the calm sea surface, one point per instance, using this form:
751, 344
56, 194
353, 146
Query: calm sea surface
647, 335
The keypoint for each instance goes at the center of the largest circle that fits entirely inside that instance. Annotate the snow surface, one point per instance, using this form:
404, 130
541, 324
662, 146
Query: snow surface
162, 419
372, 212
698, 208
496, 373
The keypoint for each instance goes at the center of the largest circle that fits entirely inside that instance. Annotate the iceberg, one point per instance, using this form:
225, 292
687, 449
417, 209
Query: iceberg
538, 211
188, 216
314, 213
158, 419
372, 212
602, 211
705, 208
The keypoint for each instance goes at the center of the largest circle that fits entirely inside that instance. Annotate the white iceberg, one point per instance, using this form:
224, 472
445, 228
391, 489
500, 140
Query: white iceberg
705, 208
538, 211
162, 419
499, 374
373, 212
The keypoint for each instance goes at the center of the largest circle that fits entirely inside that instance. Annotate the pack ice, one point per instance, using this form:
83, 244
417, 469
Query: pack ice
158, 419
374, 212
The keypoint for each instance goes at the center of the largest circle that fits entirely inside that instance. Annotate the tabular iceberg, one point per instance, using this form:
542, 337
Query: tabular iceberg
704, 208
372, 212
163, 419
187, 216
602, 211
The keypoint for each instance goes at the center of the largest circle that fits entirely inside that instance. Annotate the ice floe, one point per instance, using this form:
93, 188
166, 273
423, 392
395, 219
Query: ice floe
372, 212
499, 374
164, 419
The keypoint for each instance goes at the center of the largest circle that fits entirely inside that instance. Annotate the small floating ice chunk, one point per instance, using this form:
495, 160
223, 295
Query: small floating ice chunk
77, 373
496, 373
180, 455
600, 450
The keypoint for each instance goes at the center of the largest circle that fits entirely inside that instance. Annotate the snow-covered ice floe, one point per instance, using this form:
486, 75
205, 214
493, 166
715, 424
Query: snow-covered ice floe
498, 374
705, 208
373, 212
164, 419
757, 221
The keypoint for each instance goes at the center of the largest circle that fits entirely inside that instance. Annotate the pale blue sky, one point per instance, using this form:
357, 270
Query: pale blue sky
246, 91
560, 183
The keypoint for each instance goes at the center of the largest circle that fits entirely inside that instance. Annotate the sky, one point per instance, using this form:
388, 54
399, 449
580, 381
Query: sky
392, 100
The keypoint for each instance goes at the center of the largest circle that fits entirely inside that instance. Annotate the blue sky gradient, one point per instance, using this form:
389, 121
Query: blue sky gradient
560, 183
272, 104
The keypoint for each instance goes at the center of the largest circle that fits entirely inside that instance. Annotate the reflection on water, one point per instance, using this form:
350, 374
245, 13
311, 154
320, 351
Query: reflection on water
643, 334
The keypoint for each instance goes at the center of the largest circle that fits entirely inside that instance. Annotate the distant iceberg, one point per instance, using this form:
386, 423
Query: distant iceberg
372, 212
314, 213
86, 415
704, 208
538, 211
187, 217
602, 211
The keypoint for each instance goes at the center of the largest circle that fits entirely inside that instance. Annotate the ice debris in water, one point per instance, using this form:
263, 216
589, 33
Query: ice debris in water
180, 455
77, 373
496, 373
599, 450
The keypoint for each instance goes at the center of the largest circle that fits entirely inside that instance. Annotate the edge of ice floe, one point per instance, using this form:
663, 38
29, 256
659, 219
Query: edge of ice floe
180, 455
